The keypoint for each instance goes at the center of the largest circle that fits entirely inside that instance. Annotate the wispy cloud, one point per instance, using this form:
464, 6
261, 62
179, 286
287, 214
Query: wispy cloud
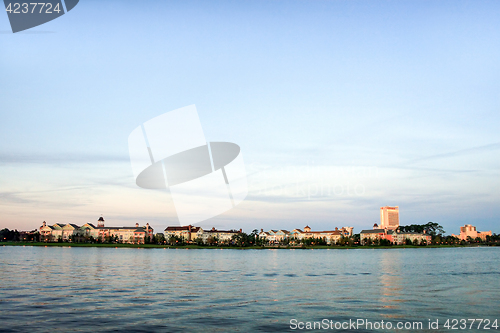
60, 159
468, 151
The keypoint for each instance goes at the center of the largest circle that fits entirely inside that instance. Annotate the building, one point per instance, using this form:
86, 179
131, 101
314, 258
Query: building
376, 235
401, 238
470, 231
389, 217
28, 236
70, 232
274, 236
330, 236
188, 233
191, 233
393, 236
218, 236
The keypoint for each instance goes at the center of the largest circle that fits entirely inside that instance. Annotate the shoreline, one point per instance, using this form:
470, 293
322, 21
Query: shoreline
194, 247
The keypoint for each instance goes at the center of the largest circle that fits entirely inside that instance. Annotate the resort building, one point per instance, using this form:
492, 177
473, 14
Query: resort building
389, 217
377, 234
470, 231
330, 236
190, 233
69, 231
415, 237
218, 235
274, 236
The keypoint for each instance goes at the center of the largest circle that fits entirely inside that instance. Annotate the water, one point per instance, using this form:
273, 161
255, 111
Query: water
212, 290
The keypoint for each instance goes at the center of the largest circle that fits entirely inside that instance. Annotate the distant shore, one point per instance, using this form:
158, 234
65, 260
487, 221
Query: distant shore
193, 246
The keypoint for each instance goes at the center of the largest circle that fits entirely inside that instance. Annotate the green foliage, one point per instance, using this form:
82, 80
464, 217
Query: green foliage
9, 235
176, 240
240, 239
160, 238
431, 228
385, 242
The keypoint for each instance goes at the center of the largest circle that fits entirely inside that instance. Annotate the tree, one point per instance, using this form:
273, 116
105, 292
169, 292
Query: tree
240, 239
176, 240
385, 242
159, 238
254, 237
211, 240
7, 235
356, 239
431, 228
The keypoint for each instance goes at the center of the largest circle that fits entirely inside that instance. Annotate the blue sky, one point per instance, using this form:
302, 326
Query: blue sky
340, 107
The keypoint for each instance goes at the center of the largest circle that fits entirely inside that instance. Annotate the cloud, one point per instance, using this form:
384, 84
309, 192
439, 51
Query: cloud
61, 159
468, 151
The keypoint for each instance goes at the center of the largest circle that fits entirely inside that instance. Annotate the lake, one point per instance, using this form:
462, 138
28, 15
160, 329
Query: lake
61, 289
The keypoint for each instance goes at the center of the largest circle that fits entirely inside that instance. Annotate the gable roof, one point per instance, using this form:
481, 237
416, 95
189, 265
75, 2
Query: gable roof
184, 228
373, 231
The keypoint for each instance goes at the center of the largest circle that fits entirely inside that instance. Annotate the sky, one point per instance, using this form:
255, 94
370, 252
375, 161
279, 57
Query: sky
339, 107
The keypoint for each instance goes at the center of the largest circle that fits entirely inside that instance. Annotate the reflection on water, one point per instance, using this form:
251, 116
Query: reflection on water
179, 290
391, 288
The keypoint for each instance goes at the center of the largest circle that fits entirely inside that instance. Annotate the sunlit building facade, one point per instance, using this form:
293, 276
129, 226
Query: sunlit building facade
471, 231
71, 232
389, 217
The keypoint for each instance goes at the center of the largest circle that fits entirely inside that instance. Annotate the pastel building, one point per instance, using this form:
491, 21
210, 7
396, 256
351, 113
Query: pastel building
219, 235
190, 233
65, 232
471, 231
389, 217
330, 236
393, 236
376, 234
274, 236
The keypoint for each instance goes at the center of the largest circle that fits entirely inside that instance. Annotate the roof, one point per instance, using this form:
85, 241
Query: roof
411, 233
373, 231
101, 219
130, 228
179, 228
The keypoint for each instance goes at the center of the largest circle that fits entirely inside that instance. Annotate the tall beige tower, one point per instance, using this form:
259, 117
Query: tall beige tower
389, 217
